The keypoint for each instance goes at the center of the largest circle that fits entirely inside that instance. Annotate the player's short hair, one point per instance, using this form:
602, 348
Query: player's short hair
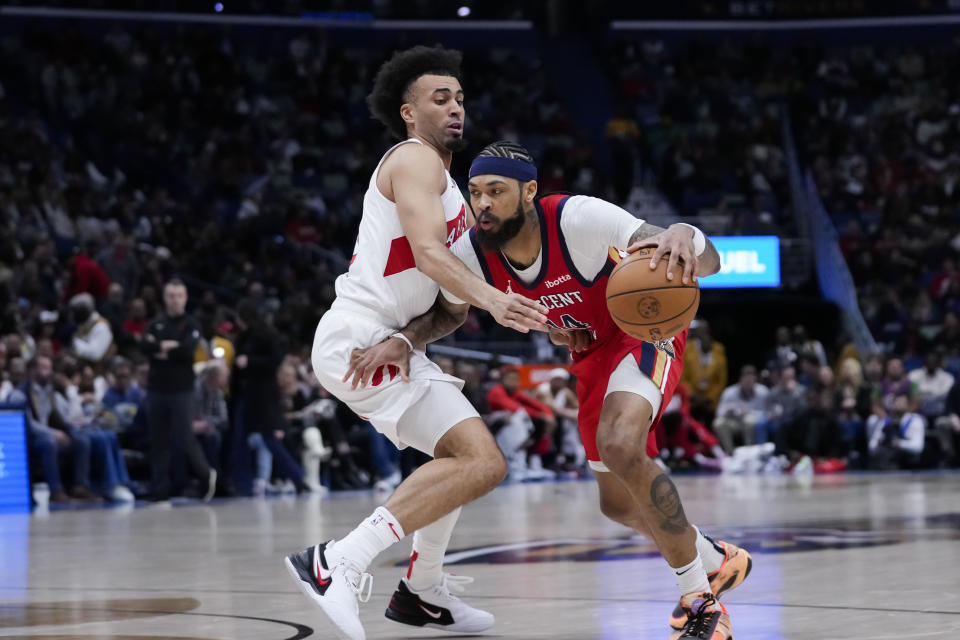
506, 149
391, 86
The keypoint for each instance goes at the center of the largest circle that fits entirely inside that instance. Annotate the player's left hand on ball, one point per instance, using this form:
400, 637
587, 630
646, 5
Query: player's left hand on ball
678, 242
364, 363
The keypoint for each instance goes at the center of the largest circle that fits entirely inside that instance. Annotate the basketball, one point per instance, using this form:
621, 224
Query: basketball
646, 305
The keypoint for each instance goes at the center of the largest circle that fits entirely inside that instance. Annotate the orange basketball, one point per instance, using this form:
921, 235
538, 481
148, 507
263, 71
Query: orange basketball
645, 304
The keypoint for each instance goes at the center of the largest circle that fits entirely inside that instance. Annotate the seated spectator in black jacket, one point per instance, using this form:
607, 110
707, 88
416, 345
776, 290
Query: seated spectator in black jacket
813, 432
254, 386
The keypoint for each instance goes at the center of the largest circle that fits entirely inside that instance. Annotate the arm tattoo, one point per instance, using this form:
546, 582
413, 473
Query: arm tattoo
664, 495
436, 323
646, 230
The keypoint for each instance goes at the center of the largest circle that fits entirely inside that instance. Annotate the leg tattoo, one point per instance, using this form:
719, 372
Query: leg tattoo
664, 495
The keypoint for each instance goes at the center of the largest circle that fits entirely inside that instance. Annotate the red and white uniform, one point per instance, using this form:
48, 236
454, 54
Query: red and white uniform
383, 282
380, 294
579, 241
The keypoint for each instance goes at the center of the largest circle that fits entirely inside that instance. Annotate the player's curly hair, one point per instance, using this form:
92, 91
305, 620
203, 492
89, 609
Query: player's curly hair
506, 149
392, 83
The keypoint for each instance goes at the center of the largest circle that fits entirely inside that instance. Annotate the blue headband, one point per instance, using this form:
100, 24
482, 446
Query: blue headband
508, 167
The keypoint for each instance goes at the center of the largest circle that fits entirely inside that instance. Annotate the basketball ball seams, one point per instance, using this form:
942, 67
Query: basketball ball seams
660, 321
624, 293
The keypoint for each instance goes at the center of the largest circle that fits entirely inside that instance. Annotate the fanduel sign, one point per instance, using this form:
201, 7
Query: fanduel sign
745, 261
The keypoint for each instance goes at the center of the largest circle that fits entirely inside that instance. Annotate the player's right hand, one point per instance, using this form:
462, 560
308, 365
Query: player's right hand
518, 312
575, 339
365, 362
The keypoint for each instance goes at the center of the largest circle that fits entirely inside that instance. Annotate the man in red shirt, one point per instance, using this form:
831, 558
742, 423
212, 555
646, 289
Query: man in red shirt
86, 276
515, 437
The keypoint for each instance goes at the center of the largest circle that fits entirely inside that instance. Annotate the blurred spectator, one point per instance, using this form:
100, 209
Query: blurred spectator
122, 401
784, 402
6, 385
704, 370
301, 413
92, 338
136, 321
80, 407
213, 343
809, 373
528, 432
896, 437
472, 385
948, 427
119, 263
113, 309
254, 377
814, 432
853, 402
557, 393
86, 276
741, 406
49, 433
170, 341
784, 352
895, 383
873, 378
686, 442
210, 420
931, 384
803, 345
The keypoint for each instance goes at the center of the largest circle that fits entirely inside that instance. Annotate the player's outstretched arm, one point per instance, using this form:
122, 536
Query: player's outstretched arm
442, 319
678, 241
416, 178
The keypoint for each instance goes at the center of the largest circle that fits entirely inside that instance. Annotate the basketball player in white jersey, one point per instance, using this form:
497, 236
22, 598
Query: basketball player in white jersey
412, 212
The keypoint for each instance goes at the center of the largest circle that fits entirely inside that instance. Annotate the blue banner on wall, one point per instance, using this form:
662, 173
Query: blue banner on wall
14, 474
745, 261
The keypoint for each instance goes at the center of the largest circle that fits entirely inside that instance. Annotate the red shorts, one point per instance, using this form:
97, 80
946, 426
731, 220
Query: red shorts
593, 374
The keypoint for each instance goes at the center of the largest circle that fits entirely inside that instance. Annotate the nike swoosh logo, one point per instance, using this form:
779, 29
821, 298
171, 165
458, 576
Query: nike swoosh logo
680, 573
431, 613
325, 582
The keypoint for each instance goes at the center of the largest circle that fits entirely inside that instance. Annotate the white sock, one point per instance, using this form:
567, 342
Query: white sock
692, 578
429, 546
712, 553
378, 532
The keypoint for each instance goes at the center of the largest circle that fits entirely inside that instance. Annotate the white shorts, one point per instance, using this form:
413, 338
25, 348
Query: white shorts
628, 377
416, 413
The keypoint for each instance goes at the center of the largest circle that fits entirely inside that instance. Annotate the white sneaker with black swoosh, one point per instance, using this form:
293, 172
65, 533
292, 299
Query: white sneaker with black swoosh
437, 608
336, 587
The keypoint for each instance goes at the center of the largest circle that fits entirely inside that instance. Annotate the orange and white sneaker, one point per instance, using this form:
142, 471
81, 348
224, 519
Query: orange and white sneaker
708, 619
736, 566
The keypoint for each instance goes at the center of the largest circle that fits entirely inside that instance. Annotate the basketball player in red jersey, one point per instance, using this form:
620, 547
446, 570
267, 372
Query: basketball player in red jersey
560, 250
412, 212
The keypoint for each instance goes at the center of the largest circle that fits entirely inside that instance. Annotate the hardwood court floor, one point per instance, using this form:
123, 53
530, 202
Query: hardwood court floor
855, 556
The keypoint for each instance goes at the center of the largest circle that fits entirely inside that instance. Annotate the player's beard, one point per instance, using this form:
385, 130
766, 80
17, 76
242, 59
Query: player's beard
455, 144
509, 228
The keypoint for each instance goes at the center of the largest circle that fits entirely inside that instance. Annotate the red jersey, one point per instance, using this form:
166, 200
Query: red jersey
576, 302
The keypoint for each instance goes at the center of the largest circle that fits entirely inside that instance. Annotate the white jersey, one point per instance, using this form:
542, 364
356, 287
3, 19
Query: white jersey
383, 282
